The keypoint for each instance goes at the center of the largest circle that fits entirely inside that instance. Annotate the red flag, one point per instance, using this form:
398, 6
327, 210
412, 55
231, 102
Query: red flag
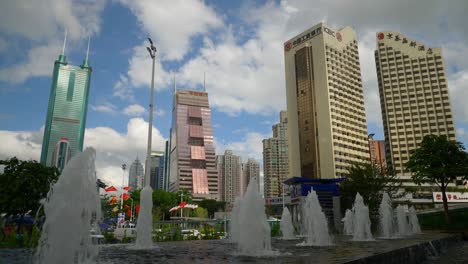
137, 208
125, 196
182, 204
127, 188
110, 189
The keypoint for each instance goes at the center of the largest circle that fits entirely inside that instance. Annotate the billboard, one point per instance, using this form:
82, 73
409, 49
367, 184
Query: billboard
452, 197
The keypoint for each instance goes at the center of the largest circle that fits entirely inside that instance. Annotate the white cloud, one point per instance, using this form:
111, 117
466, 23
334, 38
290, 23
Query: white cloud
105, 107
458, 88
173, 23
21, 144
112, 148
139, 75
39, 63
250, 146
43, 23
159, 112
134, 110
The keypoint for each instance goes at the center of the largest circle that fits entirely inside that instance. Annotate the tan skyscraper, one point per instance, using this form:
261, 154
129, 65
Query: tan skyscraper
192, 153
275, 158
413, 95
229, 172
327, 128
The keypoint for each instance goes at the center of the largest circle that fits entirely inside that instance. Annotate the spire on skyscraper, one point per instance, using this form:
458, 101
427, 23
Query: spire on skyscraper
204, 81
64, 43
86, 62
62, 58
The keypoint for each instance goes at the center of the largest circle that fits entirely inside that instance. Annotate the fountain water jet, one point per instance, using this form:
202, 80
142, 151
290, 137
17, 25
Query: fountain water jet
234, 227
314, 222
386, 217
253, 231
144, 228
361, 221
286, 226
348, 222
413, 221
402, 221
71, 208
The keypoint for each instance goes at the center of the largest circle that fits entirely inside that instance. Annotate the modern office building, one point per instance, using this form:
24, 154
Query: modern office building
414, 95
66, 112
136, 174
377, 153
250, 170
192, 153
327, 128
275, 159
157, 170
229, 172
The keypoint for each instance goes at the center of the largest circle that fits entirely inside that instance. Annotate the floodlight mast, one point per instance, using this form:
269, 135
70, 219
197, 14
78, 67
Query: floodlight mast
152, 52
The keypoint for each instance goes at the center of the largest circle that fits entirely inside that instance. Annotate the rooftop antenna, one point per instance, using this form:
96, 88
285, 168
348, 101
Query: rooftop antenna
64, 42
204, 81
87, 51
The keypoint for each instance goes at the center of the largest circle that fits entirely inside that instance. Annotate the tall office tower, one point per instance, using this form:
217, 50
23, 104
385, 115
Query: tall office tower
377, 153
275, 158
62, 154
157, 170
166, 166
229, 172
413, 95
66, 113
327, 128
250, 170
192, 158
135, 175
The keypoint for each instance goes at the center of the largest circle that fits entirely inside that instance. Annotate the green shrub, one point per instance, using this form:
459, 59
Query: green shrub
275, 229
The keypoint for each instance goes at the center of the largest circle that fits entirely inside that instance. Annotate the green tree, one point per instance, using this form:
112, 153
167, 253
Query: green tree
212, 206
200, 212
370, 182
438, 161
186, 196
164, 201
23, 184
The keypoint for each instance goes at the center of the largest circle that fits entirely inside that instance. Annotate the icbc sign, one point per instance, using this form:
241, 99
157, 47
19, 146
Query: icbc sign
380, 36
339, 37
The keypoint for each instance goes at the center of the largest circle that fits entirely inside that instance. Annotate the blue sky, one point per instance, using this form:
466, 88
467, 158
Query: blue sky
238, 44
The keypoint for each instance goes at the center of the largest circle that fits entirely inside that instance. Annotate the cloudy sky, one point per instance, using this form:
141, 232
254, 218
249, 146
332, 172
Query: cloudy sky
238, 44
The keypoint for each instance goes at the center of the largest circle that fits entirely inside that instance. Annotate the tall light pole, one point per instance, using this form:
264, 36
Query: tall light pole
144, 230
152, 51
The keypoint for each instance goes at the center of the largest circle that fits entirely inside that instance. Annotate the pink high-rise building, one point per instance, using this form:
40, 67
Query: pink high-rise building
192, 153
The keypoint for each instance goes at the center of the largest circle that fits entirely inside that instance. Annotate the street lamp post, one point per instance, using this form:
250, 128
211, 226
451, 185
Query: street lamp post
152, 52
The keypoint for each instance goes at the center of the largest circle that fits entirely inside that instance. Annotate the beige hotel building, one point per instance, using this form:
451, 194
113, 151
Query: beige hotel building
327, 128
413, 95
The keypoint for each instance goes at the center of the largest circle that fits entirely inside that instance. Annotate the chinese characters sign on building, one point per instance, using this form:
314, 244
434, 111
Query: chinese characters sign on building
452, 197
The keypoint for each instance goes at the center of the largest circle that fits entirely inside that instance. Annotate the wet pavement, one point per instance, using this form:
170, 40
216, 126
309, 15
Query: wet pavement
220, 251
